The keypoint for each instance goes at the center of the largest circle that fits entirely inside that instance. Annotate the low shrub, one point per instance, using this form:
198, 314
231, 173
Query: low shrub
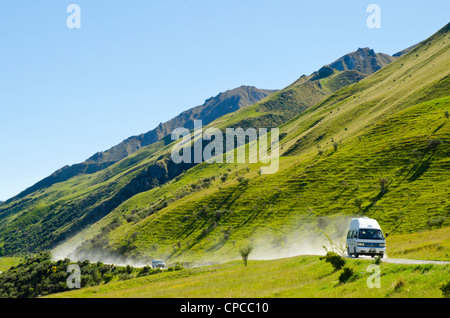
434, 143
436, 221
346, 274
400, 283
334, 259
445, 289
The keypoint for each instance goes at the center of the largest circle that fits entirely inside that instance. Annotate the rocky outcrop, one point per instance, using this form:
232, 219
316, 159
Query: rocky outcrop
363, 60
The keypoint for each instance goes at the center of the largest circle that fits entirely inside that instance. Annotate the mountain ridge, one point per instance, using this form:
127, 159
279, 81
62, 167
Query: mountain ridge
213, 108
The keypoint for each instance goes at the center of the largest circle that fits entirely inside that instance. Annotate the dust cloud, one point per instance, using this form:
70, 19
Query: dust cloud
310, 237
70, 251
305, 236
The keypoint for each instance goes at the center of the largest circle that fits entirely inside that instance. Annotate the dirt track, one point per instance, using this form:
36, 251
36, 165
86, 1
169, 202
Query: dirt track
412, 261
406, 261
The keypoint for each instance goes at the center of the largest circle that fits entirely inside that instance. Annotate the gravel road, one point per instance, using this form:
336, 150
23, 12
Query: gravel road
412, 261
405, 261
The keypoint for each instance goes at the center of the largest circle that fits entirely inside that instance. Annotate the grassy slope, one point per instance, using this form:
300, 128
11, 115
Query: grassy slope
280, 203
53, 210
301, 276
8, 262
428, 245
382, 125
39, 219
285, 104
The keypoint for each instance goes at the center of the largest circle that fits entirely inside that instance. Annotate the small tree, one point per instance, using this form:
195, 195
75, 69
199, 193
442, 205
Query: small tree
224, 177
383, 184
336, 146
358, 203
434, 143
245, 252
322, 223
243, 181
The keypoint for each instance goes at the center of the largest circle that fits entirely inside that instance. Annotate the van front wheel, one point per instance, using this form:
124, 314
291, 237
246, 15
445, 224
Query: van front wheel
355, 254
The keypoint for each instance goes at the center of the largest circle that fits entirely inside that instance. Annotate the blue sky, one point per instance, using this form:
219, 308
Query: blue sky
67, 93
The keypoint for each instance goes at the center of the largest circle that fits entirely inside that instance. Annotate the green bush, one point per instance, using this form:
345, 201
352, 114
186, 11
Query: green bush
358, 203
436, 221
38, 275
377, 260
224, 177
243, 181
334, 259
445, 289
346, 274
383, 184
177, 267
399, 284
434, 143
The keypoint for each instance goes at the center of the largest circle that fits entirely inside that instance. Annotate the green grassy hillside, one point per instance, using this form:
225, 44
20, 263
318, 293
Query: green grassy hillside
76, 197
285, 205
287, 103
8, 262
377, 148
351, 145
304, 276
426, 245
300, 276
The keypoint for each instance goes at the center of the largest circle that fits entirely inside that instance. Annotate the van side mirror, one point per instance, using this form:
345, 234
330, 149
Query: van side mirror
356, 236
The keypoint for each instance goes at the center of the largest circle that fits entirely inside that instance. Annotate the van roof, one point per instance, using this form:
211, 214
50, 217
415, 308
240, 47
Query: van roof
365, 222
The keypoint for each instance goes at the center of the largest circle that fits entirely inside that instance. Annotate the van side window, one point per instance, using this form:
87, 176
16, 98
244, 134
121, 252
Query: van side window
349, 234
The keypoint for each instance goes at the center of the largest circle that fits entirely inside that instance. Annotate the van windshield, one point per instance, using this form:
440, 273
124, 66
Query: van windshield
371, 234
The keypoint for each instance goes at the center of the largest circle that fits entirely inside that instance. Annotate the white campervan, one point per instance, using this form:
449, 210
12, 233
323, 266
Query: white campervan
365, 237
